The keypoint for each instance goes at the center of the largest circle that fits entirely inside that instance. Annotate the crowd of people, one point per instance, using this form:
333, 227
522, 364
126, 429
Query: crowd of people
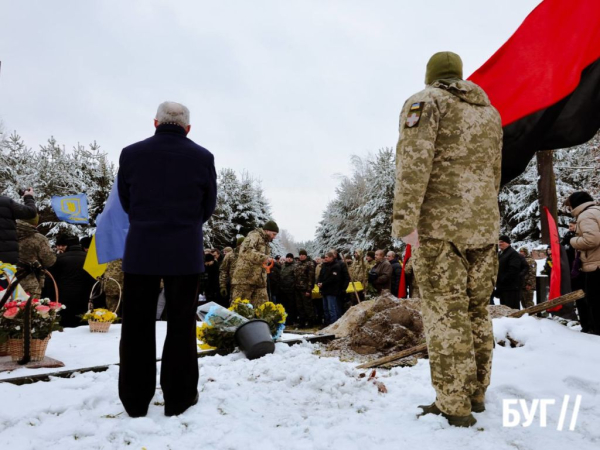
314, 291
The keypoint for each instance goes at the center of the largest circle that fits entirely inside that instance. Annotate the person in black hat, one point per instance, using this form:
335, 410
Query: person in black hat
508, 285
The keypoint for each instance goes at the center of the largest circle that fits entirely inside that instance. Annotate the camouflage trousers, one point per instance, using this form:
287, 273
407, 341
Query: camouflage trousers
256, 294
455, 282
527, 298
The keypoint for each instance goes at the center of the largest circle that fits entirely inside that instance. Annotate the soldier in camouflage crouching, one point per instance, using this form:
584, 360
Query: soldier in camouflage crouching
249, 281
446, 201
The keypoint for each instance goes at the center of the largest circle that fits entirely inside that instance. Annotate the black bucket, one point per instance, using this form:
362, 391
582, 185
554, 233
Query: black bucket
254, 339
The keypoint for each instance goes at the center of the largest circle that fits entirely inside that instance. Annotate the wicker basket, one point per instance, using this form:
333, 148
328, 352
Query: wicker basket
99, 327
4, 349
37, 348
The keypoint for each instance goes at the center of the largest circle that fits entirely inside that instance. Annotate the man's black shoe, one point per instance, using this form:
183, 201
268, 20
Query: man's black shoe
177, 410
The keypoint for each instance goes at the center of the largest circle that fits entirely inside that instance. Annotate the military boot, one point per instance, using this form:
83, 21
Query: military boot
456, 421
477, 407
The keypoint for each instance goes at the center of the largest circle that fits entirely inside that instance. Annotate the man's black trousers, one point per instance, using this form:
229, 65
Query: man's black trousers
179, 367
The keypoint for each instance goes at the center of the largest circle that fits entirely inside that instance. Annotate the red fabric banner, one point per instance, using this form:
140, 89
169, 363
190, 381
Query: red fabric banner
555, 277
402, 288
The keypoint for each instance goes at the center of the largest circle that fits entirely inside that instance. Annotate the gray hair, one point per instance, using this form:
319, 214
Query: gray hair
173, 113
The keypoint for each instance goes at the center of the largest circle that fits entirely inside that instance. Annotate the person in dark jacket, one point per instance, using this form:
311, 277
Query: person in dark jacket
73, 282
397, 272
167, 186
508, 285
274, 282
380, 276
10, 211
286, 290
330, 282
210, 279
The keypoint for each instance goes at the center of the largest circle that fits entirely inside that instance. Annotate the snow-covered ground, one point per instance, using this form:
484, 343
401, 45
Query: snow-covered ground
78, 348
297, 399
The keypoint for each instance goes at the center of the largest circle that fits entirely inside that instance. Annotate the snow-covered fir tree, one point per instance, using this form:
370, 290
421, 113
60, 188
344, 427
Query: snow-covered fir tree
575, 169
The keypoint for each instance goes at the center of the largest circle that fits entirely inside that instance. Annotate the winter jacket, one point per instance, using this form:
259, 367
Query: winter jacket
275, 279
332, 278
448, 161
358, 270
397, 272
254, 251
588, 235
74, 284
288, 278
33, 247
531, 273
509, 270
9, 212
226, 269
381, 274
167, 185
304, 274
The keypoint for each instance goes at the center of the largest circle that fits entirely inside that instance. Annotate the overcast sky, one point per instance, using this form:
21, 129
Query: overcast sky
287, 90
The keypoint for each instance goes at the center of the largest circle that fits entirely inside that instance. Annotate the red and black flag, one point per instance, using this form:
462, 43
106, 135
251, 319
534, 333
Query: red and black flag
545, 81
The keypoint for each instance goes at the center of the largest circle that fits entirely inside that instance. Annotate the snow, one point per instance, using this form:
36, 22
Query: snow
78, 348
297, 399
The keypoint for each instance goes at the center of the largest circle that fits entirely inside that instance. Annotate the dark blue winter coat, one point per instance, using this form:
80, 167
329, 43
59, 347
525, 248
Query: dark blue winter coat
167, 185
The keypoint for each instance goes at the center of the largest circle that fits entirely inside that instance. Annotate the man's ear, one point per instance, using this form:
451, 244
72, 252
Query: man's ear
187, 129
155, 123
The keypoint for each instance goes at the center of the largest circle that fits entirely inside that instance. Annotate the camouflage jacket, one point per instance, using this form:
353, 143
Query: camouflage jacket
226, 268
448, 165
304, 273
288, 278
530, 278
113, 270
33, 247
248, 267
358, 270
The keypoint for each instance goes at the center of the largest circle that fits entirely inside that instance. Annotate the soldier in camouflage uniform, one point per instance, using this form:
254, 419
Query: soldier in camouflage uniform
446, 199
113, 270
226, 270
304, 279
249, 281
529, 279
33, 248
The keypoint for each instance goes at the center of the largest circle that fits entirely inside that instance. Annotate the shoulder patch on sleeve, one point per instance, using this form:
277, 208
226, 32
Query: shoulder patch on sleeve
414, 115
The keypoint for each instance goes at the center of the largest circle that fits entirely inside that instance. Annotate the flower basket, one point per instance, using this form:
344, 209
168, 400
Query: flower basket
37, 348
4, 349
99, 327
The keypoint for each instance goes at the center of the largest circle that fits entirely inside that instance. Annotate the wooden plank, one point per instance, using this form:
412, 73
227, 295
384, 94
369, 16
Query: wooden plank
562, 300
28, 379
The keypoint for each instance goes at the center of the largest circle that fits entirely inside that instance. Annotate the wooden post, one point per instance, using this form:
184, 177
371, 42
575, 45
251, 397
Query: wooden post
546, 190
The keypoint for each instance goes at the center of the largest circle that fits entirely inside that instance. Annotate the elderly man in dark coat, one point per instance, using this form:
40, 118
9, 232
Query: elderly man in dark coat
167, 186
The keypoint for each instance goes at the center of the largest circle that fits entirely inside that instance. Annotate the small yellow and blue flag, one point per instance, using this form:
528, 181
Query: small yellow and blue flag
91, 264
71, 208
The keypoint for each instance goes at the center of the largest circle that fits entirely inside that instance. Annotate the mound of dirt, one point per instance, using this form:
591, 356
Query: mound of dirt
385, 325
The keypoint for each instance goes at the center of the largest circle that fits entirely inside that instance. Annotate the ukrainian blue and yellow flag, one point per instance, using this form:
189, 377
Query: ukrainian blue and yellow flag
71, 209
91, 264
